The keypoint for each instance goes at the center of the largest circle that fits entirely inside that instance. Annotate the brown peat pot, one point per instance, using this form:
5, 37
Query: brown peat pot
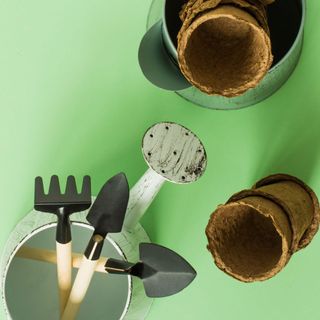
253, 235
224, 49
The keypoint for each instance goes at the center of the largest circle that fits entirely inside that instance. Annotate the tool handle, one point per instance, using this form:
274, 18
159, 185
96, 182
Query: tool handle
80, 288
50, 256
141, 196
63, 232
64, 272
94, 247
117, 266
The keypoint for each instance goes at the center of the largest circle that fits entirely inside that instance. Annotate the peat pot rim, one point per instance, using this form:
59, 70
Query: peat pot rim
267, 271
253, 71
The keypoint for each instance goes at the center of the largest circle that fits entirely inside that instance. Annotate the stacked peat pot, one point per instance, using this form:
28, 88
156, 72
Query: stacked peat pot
253, 236
224, 46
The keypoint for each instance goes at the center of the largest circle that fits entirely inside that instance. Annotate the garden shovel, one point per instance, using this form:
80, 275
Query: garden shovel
162, 271
106, 215
62, 205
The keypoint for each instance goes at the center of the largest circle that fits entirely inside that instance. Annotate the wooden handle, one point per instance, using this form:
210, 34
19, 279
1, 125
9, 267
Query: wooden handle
79, 289
44, 255
64, 272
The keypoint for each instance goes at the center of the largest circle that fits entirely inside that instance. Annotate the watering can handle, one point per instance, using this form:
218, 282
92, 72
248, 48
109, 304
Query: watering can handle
156, 63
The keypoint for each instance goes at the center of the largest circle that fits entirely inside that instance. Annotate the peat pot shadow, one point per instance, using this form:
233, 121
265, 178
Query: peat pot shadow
292, 148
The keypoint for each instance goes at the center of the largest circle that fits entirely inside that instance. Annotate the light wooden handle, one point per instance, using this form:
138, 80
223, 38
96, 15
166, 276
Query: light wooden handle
50, 256
79, 289
64, 272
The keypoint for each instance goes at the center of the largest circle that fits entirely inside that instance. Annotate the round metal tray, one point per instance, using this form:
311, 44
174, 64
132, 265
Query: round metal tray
29, 288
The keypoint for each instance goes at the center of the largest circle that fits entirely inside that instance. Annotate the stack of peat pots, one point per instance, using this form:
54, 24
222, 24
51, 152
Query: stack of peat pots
253, 236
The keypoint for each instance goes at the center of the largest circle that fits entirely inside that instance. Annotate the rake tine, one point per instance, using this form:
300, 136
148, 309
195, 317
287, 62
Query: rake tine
38, 188
86, 187
54, 188
71, 187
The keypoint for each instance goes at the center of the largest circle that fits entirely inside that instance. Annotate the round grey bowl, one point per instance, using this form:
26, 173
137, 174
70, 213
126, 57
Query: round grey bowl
158, 54
29, 287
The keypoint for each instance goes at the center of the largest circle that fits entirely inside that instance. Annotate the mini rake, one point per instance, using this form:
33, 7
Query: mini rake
63, 205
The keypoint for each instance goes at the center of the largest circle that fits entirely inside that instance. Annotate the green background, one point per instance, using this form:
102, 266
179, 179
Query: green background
73, 101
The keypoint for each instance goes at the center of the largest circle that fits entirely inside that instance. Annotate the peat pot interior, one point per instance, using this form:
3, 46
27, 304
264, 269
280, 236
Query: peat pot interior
284, 18
224, 54
246, 243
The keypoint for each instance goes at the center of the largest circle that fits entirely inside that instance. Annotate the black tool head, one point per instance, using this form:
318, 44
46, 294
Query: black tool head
108, 210
162, 271
71, 200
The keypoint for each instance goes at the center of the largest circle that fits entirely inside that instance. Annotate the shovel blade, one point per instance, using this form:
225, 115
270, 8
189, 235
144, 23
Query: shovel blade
108, 210
163, 271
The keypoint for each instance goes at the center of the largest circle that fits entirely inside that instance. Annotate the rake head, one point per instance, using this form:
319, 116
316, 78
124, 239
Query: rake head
70, 200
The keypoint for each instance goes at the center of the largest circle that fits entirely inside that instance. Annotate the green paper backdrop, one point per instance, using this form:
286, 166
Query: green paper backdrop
73, 101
